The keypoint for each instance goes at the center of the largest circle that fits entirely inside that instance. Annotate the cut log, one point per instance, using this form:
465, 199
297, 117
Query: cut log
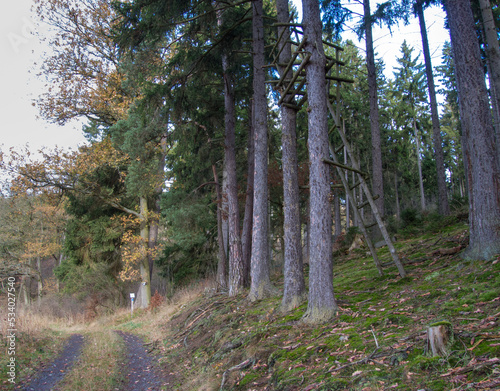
439, 338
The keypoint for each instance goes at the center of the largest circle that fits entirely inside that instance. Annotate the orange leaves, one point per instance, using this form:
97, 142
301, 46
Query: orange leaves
59, 171
99, 154
134, 250
83, 68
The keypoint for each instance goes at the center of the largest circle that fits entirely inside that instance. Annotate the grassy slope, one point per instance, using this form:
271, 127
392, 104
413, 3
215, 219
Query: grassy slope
200, 336
213, 333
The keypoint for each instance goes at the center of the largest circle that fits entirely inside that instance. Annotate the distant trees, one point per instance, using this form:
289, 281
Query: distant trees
173, 92
443, 206
409, 86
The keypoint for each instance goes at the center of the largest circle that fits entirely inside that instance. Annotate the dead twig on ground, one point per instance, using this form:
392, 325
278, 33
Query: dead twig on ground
245, 364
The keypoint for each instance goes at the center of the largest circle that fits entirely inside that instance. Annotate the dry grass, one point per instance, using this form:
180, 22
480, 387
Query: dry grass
42, 331
38, 340
98, 368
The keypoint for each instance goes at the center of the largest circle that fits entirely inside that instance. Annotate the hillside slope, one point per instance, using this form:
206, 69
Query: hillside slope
204, 340
378, 340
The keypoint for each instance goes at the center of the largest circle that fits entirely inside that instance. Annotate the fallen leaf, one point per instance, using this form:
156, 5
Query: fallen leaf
357, 373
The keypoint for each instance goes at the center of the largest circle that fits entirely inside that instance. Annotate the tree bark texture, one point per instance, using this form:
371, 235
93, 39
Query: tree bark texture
443, 206
347, 201
229, 143
321, 301
221, 277
294, 285
145, 287
439, 338
260, 286
225, 210
419, 166
246, 235
235, 250
377, 174
39, 281
337, 215
480, 157
493, 58
154, 225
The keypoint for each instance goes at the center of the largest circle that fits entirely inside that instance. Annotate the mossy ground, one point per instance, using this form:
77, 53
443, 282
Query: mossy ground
376, 341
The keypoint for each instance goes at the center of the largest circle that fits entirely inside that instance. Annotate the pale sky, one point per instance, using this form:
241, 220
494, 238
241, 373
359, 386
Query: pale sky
21, 49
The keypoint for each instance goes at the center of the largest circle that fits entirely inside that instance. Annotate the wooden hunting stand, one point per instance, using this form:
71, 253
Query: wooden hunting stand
293, 94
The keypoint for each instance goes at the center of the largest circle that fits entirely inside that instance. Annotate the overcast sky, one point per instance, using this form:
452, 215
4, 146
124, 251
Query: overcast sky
21, 49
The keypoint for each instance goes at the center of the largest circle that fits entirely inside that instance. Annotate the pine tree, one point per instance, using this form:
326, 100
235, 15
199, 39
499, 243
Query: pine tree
321, 302
294, 286
260, 280
443, 206
481, 160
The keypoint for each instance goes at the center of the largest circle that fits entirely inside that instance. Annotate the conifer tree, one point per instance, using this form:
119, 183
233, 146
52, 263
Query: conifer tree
443, 206
294, 286
480, 158
321, 300
260, 287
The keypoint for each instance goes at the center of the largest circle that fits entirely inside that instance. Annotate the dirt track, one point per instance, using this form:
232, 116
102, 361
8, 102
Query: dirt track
138, 371
54, 372
140, 374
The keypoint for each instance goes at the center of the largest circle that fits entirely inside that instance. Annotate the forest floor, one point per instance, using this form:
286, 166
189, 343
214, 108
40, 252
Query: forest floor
202, 340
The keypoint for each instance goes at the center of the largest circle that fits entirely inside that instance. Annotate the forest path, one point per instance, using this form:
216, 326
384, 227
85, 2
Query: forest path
139, 372
54, 372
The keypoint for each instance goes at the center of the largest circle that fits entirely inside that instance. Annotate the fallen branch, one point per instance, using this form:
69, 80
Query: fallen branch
362, 361
372, 358
470, 368
245, 364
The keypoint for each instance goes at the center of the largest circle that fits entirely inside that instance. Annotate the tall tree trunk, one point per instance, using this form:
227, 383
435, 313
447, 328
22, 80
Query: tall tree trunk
145, 286
59, 262
236, 264
443, 206
260, 286
307, 237
221, 277
225, 210
24, 290
246, 235
321, 304
155, 218
337, 215
480, 157
39, 281
347, 201
235, 282
294, 285
229, 111
493, 58
396, 191
419, 166
377, 174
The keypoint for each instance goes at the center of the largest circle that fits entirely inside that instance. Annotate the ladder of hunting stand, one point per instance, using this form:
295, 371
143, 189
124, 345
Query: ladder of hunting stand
292, 84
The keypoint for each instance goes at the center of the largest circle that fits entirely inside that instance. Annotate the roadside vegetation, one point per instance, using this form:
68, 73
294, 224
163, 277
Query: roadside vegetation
208, 341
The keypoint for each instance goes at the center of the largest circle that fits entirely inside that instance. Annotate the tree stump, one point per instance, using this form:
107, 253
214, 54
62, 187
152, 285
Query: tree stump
439, 338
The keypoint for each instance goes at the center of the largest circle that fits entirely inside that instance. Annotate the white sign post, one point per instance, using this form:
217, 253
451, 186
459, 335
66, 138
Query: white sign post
132, 297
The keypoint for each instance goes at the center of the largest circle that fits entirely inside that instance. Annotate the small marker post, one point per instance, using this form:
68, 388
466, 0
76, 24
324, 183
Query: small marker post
132, 297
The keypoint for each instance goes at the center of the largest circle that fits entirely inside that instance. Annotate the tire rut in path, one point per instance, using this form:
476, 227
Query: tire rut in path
54, 372
139, 371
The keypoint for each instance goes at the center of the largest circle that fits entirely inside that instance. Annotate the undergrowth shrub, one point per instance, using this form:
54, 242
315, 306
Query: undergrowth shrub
410, 217
156, 302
